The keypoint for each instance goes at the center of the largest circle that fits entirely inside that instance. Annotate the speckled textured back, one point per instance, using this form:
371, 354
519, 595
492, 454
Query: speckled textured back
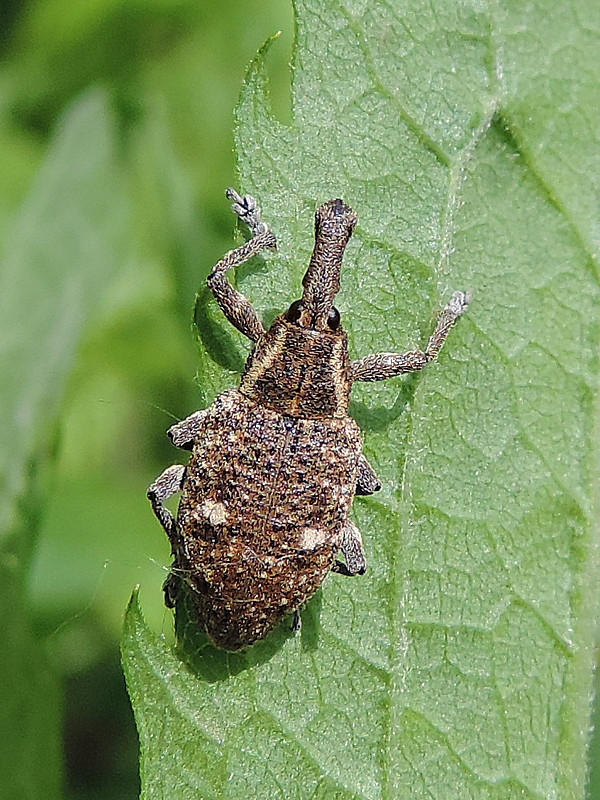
262, 513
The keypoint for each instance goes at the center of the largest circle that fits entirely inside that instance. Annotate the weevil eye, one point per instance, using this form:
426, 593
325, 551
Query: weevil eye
333, 320
294, 311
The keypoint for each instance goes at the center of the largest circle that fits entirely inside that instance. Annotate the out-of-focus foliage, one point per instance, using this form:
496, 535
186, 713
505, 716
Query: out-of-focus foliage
170, 73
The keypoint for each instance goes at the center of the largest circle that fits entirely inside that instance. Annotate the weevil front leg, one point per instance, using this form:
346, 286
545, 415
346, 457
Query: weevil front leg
353, 551
380, 366
296, 621
165, 486
237, 308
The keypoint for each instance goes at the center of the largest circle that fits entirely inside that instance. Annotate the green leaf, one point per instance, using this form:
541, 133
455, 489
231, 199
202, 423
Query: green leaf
60, 254
461, 664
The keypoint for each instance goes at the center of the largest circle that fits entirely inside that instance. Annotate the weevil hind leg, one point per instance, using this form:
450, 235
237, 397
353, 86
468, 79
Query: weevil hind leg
177, 578
367, 481
170, 588
353, 551
165, 486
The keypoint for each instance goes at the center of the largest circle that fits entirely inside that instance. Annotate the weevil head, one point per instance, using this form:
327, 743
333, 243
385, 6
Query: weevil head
301, 365
301, 316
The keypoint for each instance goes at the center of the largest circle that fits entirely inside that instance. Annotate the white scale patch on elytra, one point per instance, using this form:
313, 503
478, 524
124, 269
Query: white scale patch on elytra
311, 538
214, 512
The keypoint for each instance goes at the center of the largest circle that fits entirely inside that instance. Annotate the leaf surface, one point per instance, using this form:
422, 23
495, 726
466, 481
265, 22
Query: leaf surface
460, 666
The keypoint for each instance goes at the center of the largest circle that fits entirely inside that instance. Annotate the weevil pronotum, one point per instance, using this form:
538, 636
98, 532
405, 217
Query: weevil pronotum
275, 464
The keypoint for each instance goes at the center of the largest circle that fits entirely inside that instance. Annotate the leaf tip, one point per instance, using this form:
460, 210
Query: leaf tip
255, 92
133, 613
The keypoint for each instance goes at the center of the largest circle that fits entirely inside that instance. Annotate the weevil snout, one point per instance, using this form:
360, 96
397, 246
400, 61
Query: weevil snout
334, 223
336, 219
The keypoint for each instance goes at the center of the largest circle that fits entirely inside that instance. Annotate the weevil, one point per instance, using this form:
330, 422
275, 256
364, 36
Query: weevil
275, 463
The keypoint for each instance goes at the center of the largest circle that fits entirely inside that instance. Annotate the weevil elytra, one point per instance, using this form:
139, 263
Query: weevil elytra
275, 464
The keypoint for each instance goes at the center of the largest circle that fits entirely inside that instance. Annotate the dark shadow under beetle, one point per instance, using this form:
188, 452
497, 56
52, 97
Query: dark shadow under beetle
212, 664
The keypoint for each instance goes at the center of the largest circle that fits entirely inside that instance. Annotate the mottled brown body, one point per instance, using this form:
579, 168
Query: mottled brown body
275, 464
260, 526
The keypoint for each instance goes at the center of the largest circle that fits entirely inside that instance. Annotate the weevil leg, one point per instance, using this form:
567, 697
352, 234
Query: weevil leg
237, 308
183, 434
367, 481
380, 366
165, 486
297, 621
353, 551
171, 588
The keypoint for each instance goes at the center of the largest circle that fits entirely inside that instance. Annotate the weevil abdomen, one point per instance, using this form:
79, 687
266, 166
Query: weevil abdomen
258, 526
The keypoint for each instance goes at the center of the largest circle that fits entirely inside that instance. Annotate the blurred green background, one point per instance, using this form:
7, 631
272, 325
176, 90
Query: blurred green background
173, 70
